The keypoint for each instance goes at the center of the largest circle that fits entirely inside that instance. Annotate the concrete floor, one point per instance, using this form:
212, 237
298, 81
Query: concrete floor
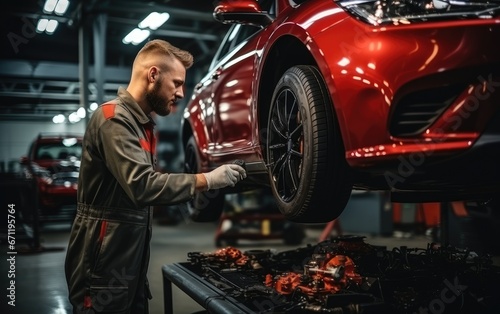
40, 285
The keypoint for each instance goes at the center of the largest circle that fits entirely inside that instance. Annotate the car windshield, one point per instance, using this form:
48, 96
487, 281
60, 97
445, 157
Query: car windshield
61, 150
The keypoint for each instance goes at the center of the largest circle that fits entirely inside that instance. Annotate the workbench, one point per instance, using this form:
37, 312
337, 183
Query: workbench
303, 280
205, 294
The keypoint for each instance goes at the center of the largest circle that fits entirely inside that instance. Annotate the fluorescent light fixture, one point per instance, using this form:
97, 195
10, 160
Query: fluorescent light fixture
41, 26
61, 7
55, 6
136, 36
47, 26
73, 118
81, 113
51, 26
154, 20
59, 119
49, 6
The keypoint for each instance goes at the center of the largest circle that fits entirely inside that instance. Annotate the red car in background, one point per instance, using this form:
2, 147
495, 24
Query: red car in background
320, 96
53, 160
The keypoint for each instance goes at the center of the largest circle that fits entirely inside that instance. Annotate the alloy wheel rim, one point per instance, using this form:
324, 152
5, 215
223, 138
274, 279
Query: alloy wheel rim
286, 145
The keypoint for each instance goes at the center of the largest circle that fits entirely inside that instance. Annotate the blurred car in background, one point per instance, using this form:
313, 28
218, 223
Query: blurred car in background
53, 160
322, 96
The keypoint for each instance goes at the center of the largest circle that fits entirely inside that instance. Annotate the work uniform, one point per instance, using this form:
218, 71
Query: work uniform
108, 252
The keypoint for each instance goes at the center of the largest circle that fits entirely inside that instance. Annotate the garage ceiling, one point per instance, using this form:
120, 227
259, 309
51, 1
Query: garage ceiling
39, 73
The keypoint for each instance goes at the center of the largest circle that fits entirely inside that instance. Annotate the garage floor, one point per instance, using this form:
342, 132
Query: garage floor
41, 288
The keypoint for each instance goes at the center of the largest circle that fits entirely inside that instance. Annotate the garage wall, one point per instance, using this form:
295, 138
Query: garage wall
16, 136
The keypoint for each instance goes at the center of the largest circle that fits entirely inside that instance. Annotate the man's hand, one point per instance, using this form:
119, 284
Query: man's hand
225, 175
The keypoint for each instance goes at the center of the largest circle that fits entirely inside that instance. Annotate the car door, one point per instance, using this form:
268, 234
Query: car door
227, 112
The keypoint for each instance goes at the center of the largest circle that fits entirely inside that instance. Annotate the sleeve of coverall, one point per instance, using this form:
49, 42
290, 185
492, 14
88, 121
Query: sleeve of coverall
128, 162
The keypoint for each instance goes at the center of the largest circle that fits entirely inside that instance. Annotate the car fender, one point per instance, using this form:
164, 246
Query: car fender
307, 38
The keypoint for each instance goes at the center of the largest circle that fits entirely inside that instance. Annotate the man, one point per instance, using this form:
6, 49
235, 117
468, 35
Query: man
108, 252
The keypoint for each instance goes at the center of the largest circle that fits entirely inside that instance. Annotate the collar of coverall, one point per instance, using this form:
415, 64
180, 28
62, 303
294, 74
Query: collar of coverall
134, 107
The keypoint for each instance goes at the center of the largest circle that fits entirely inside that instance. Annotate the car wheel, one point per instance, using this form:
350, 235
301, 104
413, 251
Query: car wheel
305, 155
205, 206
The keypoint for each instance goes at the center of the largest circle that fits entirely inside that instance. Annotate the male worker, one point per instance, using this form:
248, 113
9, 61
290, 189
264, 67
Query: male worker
108, 252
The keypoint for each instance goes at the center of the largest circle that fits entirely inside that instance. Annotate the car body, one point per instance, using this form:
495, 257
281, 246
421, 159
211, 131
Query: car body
320, 97
53, 160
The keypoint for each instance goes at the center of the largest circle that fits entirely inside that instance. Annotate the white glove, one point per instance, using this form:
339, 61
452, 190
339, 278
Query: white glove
225, 175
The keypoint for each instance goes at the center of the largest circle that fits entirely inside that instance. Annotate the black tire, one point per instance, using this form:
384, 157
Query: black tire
308, 172
206, 206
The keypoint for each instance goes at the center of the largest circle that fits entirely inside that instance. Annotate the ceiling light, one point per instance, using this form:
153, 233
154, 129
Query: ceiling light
49, 6
47, 26
154, 20
55, 6
81, 113
136, 36
51, 26
73, 118
59, 118
42, 25
61, 7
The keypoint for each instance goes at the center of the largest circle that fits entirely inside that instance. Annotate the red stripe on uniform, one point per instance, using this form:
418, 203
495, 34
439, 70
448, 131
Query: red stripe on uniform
151, 138
145, 145
87, 302
108, 110
104, 226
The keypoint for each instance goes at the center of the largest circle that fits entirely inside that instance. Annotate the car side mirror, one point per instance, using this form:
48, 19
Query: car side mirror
24, 161
241, 12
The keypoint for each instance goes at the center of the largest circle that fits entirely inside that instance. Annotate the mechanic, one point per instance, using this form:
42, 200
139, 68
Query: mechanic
108, 252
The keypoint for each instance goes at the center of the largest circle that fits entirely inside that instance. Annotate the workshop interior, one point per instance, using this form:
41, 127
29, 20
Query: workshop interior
369, 132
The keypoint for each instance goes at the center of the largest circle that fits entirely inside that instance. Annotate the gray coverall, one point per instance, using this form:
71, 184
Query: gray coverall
108, 252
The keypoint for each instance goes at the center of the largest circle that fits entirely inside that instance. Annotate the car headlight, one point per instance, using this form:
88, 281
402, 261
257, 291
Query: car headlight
382, 12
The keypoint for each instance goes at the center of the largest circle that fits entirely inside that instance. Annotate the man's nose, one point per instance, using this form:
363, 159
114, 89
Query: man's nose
179, 93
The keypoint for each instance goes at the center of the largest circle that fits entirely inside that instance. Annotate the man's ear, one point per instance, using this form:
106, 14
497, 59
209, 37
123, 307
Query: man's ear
153, 73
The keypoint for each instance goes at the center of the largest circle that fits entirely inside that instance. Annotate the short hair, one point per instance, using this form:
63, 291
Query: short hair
164, 47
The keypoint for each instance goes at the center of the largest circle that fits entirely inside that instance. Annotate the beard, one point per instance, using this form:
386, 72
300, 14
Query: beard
158, 104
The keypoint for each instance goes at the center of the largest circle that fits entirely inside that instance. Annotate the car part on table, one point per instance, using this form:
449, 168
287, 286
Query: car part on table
347, 275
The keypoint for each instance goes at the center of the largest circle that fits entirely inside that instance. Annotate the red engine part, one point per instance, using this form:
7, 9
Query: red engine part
322, 275
230, 254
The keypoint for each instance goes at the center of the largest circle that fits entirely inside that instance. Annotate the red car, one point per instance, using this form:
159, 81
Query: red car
320, 96
53, 160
